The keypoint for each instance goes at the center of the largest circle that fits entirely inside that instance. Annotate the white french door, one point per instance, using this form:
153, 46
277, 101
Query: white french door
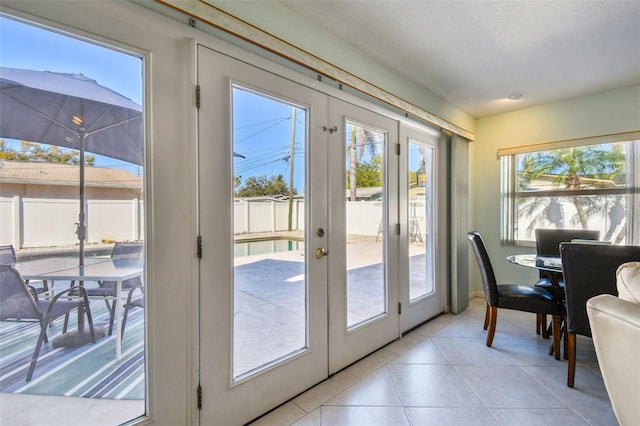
422, 209
363, 285
263, 298
307, 214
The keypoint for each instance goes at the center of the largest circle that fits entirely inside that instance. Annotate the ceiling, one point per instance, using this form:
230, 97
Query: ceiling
476, 53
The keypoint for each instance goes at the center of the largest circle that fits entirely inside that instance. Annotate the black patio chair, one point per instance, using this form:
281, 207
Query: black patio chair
19, 302
589, 270
107, 289
512, 296
548, 244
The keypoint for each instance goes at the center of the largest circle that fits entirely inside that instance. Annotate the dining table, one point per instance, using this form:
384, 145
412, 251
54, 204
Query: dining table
550, 266
94, 269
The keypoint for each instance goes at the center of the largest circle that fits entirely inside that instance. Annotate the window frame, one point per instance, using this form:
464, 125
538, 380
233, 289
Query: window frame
509, 193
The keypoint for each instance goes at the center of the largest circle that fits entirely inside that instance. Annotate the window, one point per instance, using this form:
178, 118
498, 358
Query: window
573, 185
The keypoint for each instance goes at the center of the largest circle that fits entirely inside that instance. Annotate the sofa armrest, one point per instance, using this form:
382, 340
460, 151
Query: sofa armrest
615, 326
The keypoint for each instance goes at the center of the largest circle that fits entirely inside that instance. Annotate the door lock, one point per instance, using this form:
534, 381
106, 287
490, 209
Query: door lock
320, 252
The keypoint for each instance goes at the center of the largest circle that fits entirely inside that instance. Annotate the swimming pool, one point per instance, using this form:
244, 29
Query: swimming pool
265, 246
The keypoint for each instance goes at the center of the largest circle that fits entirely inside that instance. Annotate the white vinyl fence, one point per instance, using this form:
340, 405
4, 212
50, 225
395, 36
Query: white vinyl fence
48, 222
41, 222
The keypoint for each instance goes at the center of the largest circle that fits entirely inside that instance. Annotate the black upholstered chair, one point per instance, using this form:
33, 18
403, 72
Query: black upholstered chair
589, 270
548, 244
512, 296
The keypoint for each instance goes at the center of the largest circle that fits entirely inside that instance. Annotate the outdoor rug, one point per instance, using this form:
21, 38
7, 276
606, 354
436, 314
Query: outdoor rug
89, 371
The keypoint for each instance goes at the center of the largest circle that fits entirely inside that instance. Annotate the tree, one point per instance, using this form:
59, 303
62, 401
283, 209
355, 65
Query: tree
369, 173
256, 186
364, 139
36, 152
575, 168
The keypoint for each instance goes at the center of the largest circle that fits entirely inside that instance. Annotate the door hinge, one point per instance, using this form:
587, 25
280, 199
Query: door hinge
198, 96
397, 149
199, 397
199, 247
399, 308
397, 229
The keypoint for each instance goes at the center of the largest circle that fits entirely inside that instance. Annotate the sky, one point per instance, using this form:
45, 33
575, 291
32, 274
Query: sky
262, 133
262, 125
30, 47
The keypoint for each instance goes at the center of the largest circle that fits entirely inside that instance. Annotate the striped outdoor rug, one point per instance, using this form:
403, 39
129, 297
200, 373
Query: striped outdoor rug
89, 371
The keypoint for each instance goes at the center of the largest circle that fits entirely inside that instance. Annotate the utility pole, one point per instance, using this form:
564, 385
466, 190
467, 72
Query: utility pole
291, 154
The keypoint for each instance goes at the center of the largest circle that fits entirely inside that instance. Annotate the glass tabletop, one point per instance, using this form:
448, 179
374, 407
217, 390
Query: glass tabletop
544, 263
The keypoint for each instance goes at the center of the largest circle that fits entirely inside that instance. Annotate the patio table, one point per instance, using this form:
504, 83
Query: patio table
117, 270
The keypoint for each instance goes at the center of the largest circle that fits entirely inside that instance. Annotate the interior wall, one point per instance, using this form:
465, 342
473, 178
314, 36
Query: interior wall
279, 21
611, 112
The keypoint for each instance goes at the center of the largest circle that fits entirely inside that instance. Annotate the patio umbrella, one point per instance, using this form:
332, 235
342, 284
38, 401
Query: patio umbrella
73, 111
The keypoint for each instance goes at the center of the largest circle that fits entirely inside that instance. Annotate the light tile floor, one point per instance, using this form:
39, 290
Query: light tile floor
443, 374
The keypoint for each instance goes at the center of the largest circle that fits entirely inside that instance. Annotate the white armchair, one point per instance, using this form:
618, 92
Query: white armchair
615, 326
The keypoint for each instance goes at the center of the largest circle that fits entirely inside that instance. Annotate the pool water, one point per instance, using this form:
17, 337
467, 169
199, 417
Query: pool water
253, 247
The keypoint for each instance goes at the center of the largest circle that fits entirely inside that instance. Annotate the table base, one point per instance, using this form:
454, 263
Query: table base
77, 338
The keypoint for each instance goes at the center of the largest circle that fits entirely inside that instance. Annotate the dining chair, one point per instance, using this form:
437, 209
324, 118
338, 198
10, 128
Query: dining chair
19, 302
589, 270
107, 289
548, 244
518, 297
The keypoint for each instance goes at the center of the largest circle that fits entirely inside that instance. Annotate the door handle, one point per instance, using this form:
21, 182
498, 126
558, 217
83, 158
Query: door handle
320, 252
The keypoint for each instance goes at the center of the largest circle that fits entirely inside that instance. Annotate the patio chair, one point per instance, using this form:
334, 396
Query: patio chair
548, 244
7, 255
19, 302
589, 270
137, 302
107, 289
512, 296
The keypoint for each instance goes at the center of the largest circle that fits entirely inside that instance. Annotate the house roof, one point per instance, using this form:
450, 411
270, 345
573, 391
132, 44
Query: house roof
66, 175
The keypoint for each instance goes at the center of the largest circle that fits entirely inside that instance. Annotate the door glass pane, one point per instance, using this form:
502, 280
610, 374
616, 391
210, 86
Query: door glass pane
366, 231
270, 289
71, 194
420, 224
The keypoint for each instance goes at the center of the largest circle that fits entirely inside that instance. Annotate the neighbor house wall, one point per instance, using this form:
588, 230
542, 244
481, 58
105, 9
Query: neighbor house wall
611, 112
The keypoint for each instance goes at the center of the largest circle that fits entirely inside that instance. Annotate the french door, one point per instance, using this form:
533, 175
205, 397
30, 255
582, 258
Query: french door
363, 288
301, 226
262, 311
421, 207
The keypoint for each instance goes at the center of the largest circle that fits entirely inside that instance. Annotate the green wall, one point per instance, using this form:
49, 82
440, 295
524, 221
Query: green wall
283, 23
615, 111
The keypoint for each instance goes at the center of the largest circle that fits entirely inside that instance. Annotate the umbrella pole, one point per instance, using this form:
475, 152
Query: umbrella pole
82, 230
82, 336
